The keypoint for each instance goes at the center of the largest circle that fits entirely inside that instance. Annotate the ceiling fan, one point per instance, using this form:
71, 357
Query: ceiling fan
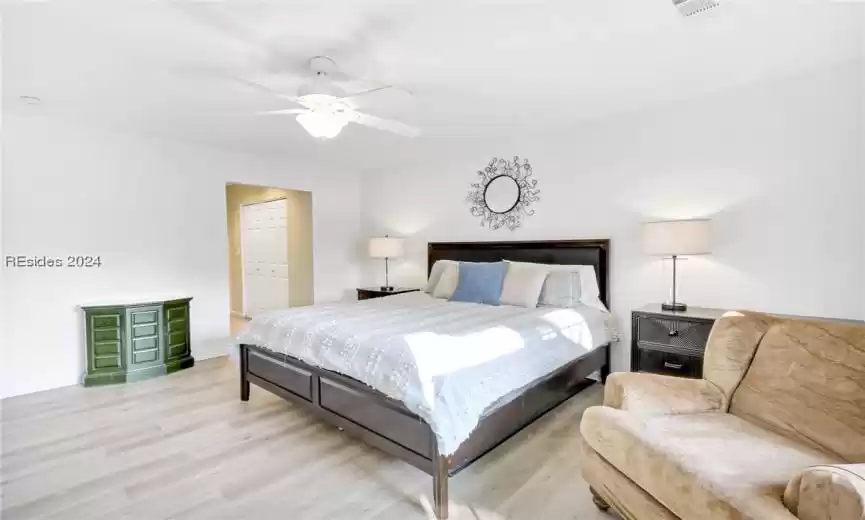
327, 108
327, 96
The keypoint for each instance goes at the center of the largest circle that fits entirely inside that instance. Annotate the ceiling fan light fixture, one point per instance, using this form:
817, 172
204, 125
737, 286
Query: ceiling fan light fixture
322, 125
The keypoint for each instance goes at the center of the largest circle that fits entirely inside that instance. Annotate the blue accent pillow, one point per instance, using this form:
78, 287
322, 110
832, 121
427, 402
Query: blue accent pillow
480, 282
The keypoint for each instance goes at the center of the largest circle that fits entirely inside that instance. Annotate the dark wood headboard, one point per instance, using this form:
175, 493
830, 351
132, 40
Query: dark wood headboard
566, 252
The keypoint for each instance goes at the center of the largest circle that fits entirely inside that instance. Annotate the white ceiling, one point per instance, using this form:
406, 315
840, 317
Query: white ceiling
472, 65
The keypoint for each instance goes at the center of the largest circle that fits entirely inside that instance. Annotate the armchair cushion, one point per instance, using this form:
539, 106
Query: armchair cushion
701, 466
657, 394
828, 493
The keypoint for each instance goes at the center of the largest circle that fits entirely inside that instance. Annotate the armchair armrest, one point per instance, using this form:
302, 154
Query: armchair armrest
835, 492
658, 394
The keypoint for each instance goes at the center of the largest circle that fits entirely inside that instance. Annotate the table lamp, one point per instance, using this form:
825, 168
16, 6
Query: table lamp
386, 247
676, 238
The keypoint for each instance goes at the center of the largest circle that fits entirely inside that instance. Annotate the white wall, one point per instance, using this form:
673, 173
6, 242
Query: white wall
155, 213
860, 109
777, 166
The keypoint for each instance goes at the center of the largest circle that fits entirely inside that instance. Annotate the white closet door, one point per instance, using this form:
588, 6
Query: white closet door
264, 241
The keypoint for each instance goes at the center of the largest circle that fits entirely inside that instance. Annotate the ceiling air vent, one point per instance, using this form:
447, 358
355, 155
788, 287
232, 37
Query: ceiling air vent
692, 7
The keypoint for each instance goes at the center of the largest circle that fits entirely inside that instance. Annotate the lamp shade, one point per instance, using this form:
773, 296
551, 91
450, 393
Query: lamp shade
385, 247
677, 237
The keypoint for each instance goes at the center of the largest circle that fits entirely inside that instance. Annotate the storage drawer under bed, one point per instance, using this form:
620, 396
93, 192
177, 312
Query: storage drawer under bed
294, 379
400, 427
336, 397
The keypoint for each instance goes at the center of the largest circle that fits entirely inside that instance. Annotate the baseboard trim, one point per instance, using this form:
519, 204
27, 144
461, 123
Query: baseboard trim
218, 349
212, 348
210, 355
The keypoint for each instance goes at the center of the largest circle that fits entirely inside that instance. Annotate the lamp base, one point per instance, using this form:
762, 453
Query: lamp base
386, 288
675, 307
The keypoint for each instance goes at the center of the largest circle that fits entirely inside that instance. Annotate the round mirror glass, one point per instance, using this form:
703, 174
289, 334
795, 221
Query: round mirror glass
501, 194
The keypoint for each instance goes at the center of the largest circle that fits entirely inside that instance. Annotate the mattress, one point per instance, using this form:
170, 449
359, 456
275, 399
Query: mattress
446, 361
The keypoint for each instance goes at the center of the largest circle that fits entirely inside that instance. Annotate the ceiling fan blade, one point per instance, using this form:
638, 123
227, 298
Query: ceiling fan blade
209, 15
284, 111
377, 98
363, 38
264, 88
271, 59
365, 92
208, 72
388, 125
214, 17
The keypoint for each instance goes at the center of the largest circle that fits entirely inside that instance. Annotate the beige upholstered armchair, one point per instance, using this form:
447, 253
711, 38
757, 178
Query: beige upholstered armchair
775, 430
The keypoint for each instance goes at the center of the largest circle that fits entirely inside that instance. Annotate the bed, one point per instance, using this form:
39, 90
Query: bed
380, 369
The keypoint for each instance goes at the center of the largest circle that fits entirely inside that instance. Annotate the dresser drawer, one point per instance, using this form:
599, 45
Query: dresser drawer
660, 362
684, 335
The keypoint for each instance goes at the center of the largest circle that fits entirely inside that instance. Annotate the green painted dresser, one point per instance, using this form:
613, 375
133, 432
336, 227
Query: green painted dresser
135, 341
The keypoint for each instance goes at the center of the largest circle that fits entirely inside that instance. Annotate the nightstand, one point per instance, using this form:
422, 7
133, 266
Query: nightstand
669, 342
365, 293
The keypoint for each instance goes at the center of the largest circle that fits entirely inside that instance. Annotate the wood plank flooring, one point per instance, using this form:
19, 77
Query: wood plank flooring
184, 447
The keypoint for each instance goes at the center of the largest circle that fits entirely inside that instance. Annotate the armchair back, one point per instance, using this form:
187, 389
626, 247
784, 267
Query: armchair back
804, 379
731, 348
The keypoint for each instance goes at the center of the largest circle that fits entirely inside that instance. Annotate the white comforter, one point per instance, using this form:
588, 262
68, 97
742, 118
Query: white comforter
446, 361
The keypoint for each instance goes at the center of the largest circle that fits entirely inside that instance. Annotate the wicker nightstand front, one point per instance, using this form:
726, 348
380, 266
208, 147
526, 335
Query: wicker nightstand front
671, 343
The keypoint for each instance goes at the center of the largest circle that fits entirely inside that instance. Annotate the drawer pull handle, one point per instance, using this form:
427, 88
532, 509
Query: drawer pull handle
674, 333
675, 366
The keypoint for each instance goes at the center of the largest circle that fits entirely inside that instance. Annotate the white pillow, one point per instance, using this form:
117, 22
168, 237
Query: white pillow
522, 285
448, 281
435, 274
562, 288
590, 292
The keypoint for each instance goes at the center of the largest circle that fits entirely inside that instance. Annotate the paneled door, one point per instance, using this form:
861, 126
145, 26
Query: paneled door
264, 247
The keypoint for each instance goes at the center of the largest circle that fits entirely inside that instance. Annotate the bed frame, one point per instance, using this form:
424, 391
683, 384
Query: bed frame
388, 425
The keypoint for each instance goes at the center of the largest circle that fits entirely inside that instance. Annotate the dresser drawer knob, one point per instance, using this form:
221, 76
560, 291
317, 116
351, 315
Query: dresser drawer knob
675, 366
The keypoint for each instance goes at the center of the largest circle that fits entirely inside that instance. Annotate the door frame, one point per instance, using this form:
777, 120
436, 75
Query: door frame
243, 250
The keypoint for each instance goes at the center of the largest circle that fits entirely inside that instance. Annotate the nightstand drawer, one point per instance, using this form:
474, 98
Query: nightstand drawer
660, 362
682, 334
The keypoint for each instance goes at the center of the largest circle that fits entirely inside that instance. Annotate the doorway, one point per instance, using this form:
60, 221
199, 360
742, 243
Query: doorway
270, 250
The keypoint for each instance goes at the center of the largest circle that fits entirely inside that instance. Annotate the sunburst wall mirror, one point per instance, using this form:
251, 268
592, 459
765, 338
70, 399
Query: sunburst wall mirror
504, 193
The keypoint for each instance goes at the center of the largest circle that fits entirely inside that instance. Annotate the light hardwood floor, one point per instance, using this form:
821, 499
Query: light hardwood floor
184, 447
